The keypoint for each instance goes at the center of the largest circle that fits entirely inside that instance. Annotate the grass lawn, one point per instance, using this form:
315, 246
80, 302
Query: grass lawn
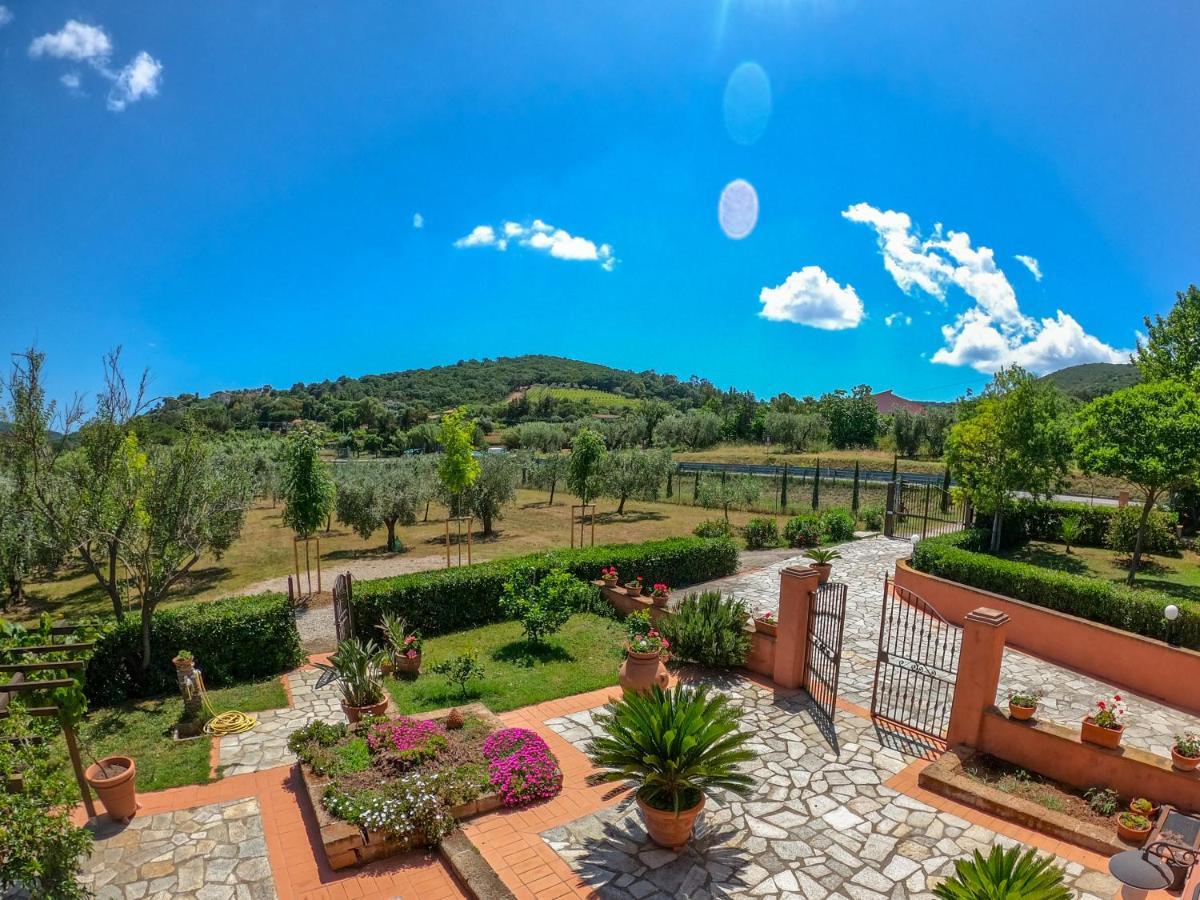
1175, 575
142, 729
584, 656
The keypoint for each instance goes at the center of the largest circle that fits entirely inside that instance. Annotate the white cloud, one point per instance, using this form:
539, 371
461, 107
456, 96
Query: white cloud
6, 15
76, 41
70, 81
994, 332
137, 80
811, 297
545, 238
418, 220
1031, 264
893, 318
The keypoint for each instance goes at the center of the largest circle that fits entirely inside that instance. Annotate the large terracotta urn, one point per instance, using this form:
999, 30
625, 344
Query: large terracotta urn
668, 829
113, 779
641, 671
358, 713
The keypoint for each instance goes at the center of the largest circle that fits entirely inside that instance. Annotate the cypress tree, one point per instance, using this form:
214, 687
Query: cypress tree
946, 491
669, 473
894, 458
696, 487
783, 490
816, 498
854, 491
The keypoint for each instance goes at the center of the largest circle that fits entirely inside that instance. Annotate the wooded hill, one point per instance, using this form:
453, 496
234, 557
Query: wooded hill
1092, 380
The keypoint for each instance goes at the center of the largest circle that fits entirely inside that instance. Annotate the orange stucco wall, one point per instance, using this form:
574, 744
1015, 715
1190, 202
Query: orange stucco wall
1145, 666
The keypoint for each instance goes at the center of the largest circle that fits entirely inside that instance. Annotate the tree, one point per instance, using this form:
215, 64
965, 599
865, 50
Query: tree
723, 493
650, 413
457, 467
584, 467
937, 427
854, 490
1015, 437
816, 491
634, 473
190, 505
1147, 435
495, 487
20, 536
795, 431
546, 472
695, 430
853, 419
908, 432
308, 488
1171, 349
380, 494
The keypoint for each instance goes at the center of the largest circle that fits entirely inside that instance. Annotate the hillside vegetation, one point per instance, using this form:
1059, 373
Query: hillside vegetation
1092, 380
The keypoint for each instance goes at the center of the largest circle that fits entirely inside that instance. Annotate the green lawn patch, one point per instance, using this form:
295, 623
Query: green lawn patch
583, 656
142, 729
1177, 574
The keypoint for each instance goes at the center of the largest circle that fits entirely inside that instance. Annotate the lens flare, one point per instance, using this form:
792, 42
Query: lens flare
747, 103
737, 210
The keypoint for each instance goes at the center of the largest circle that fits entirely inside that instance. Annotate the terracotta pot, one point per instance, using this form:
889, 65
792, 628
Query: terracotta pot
1021, 713
609, 582
641, 671
633, 590
822, 570
660, 601
1184, 763
771, 628
118, 789
1152, 815
185, 667
385, 667
1101, 737
1131, 835
668, 829
408, 667
358, 713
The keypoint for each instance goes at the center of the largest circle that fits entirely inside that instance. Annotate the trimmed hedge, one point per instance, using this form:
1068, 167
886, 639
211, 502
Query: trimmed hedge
448, 600
1033, 520
957, 557
235, 639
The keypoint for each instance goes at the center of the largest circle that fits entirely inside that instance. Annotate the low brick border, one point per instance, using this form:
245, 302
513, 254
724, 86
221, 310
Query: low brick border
474, 872
946, 777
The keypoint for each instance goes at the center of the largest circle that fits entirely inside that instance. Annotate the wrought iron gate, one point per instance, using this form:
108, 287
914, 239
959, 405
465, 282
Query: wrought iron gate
917, 664
917, 510
826, 619
343, 613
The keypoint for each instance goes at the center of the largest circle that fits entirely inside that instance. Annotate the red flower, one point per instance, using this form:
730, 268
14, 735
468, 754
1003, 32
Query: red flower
1117, 697
1100, 703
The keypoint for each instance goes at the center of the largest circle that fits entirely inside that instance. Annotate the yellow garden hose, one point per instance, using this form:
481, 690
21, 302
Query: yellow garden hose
219, 724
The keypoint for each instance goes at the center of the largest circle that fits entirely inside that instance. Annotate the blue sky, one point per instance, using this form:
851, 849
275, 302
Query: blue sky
229, 190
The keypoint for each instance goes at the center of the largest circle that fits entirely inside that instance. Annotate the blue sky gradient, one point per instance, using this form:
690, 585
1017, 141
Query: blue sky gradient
248, 216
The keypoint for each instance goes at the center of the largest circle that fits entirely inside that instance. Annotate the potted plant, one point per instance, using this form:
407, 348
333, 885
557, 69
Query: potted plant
1133, 828
634, 588
356, 666
659, 594
1005, 873
822, 562
609, 576
405, 645
672, 748
645, 648
1144, 807
1104, 726
767, 622
185, 663
1022, 705
1185, 752
113, 778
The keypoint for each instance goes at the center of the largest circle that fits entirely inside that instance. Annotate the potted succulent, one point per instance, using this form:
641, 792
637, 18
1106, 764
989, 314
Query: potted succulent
356, 666
644, 651
1022, 705
634, 588
822, 562
1185, 752
767, 622
610, 576
1104, 727
672, 748
1144, 807
659, 594
1133, 828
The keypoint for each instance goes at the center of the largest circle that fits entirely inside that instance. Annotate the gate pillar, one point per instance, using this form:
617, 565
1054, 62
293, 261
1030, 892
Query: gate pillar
797, 584
978, 674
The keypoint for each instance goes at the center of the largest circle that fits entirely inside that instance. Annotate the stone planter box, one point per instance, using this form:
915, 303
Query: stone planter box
349, 845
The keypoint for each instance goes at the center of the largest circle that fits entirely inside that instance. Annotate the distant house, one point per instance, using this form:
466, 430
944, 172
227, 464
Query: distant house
887, 403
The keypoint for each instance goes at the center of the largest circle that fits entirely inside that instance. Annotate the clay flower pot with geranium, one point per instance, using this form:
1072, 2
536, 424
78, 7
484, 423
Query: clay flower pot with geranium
357, 668
767, 622
1105, 725
672, 748
1023, 704
645, 649
610, 576
1185, 752
659, 594
1133, 828
405, 647
634, 588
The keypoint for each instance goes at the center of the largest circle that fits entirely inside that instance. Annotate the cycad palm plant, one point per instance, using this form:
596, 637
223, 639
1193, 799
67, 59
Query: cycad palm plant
672, 746
1070, 529
1004, 875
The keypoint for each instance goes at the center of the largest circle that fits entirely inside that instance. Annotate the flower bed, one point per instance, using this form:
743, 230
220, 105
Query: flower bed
388, 785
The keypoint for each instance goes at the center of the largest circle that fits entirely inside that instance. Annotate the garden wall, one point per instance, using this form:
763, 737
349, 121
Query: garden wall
1141, 664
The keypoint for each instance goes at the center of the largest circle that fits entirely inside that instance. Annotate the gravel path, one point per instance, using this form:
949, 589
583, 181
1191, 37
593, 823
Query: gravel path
359, 569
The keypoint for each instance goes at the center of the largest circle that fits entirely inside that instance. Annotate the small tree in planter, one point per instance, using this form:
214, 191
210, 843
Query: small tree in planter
672, 748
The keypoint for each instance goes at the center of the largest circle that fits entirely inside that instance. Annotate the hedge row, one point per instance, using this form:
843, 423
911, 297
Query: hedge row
956, 557
448, 600
1033, 520
236, 639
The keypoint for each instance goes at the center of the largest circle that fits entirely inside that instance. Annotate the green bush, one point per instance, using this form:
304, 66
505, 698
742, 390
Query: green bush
543, 606
1123, 529
709, 629
803, 530
713, 528
873, 516
446, 600
1138, 610
233, 640
1034, 520
761, 532
838, 524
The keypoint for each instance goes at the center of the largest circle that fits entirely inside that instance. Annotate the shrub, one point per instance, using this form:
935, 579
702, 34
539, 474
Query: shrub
709, 629
521, 767
873, 516
838, 524
761, 532
236, 639
448, 600
542, 607
803, 531
713, 528
1123, 529
1136, 610
460, 670
1035, 520
1005, 873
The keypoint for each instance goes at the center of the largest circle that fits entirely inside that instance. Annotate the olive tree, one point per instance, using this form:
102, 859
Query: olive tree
1147, 435
495, 487
795, 431
722, 493
375, 494
634, 473
694, 430
546, 472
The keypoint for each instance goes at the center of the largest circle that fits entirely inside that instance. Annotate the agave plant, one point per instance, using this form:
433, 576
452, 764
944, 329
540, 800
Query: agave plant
1004, 875
672, 746
356, 668
823, 557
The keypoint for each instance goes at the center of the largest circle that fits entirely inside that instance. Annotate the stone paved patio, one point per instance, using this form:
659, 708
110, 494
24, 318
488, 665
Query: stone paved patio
215, 852
821, 822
